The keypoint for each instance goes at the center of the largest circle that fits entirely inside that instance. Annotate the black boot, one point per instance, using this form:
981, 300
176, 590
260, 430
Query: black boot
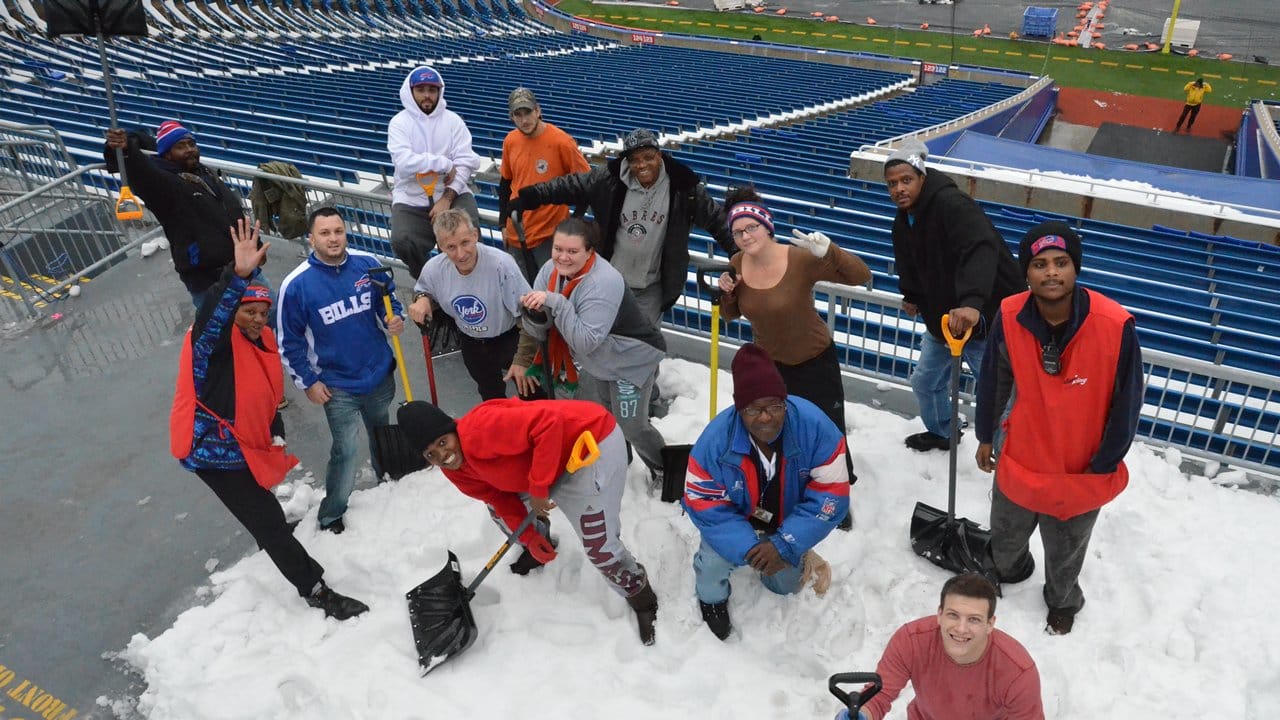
335, 604
716, 616
645, 605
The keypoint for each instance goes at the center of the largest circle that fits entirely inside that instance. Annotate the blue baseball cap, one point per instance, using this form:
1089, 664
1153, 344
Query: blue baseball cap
425, 76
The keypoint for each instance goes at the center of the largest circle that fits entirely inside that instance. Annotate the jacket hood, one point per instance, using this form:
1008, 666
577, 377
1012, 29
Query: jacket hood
934, 182
682, 176
406, 95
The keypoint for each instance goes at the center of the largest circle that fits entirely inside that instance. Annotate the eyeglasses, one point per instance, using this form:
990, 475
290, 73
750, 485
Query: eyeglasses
1051, 358
773, 410
752, 228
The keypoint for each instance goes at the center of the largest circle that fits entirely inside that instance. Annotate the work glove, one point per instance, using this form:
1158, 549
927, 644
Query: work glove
541, 550
817, 569
815, 242
844, 715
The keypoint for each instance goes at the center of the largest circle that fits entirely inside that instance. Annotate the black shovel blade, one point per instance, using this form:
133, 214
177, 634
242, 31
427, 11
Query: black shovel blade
440, 614
675, 464
959, 545
443, 334
396, 456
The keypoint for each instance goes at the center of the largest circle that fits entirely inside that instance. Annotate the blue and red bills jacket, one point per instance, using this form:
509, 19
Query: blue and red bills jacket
722, 486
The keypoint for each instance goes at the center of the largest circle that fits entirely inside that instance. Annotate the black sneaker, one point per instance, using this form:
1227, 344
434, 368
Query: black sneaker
525, 563
335, 604
847, 523
1060, 622
926, 441
336, 527
716, 616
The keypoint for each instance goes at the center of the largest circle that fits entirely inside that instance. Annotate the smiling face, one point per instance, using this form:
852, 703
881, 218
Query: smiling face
645, 164
750, 235
251, 317
185, 154
966, 627
460, 246
426, 97
445, 452
329, 239
1051, 276
904, 183
769, 415
569, 253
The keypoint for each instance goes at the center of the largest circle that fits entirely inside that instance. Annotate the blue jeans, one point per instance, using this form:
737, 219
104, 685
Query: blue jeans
711, 577
344, 411
931, 380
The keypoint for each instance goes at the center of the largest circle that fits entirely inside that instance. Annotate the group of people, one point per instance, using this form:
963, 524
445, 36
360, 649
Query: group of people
570, 316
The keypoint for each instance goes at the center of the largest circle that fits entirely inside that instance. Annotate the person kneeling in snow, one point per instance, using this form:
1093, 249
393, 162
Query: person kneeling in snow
767, 481
958, 663
513, 456
1059, 398
226, 412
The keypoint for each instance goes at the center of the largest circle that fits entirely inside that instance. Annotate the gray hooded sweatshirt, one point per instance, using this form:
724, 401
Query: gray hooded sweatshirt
435, 143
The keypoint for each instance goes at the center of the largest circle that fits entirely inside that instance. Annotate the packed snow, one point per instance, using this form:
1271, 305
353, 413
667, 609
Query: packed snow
1180, 622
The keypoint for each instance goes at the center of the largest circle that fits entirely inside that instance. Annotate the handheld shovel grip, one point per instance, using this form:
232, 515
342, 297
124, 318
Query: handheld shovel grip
127, 206
854, 702
395, 339
584, 452
712, 287
955, 343
427, 180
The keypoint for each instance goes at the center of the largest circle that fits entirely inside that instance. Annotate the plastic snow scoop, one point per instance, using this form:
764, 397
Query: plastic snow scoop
675, 458
440, 608
853, 702
957, 544
395, 456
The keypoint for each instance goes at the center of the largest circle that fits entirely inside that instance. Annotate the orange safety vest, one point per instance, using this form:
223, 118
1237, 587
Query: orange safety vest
1057, 421
259, 383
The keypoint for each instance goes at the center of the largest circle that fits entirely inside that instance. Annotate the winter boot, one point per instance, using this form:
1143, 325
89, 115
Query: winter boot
716, 615
527, 561
645, 604
335, 604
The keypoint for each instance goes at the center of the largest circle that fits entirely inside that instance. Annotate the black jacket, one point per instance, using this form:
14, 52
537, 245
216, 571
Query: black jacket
603, 190
952, 256
196, 210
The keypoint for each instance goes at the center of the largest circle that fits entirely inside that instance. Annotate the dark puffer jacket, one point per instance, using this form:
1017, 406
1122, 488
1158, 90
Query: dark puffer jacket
603, 190
196, 210
952, 256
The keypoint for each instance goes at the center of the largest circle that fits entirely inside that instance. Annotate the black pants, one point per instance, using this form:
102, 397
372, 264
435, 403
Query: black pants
818, 381
487, 361
1193, 110
259, 512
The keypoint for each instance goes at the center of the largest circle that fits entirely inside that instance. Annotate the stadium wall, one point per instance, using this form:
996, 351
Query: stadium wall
1258, 142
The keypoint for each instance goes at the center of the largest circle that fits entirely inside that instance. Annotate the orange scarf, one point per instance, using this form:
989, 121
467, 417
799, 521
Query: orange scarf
561, 357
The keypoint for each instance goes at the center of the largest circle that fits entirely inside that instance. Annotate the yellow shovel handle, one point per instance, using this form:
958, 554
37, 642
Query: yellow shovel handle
127, 206
428, 182
955, 343
584, 452
395, 343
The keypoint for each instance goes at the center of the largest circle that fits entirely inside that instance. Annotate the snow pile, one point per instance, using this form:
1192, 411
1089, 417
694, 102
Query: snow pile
1180, 620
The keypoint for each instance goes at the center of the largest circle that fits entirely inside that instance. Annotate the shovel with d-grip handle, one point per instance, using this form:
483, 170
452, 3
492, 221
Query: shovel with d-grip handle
853, 702
395, 456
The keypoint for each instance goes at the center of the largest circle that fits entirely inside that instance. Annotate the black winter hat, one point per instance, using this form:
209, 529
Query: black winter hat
423, 423
637, 139
1048, 235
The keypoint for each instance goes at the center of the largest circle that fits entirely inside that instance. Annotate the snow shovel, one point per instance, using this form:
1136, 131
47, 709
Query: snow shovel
854, 702
440, 608
395, 456
957, 544
531, 270
675, 458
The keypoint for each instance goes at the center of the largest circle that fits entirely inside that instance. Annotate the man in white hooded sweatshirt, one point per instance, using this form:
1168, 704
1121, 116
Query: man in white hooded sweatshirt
431, 148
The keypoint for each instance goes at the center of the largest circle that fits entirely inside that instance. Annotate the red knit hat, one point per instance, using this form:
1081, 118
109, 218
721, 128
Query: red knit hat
755, 376
256, 293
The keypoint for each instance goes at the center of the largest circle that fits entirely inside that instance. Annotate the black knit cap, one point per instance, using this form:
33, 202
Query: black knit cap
423, 423
1051, 234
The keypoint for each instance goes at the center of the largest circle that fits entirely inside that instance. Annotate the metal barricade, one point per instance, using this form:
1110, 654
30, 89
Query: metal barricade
30, 156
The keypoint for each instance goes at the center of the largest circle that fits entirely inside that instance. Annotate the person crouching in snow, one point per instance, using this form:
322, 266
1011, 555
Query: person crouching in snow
767, 481
225, 416
512, 455
1059, 398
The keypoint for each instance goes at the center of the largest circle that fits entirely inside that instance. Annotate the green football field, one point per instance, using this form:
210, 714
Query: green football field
1134, 73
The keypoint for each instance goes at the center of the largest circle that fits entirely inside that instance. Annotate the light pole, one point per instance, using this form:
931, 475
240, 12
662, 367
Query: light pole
1173, 24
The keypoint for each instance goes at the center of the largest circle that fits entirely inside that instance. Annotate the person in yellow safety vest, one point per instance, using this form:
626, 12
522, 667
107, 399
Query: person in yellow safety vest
1195, 91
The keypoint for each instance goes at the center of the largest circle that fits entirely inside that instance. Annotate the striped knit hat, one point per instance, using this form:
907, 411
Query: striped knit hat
256, 293
170, 132
755, 211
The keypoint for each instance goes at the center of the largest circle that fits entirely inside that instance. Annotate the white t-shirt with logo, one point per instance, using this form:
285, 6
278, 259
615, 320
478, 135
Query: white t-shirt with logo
486, 302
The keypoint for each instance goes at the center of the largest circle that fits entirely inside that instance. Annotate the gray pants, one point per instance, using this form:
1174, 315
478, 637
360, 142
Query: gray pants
650, 301
1066, 543
591, 499
541, 254
413, 239
630, 407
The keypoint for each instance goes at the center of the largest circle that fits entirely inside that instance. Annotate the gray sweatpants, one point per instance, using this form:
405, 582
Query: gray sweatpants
412, 237
591, 499
630, 407
1066, 543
